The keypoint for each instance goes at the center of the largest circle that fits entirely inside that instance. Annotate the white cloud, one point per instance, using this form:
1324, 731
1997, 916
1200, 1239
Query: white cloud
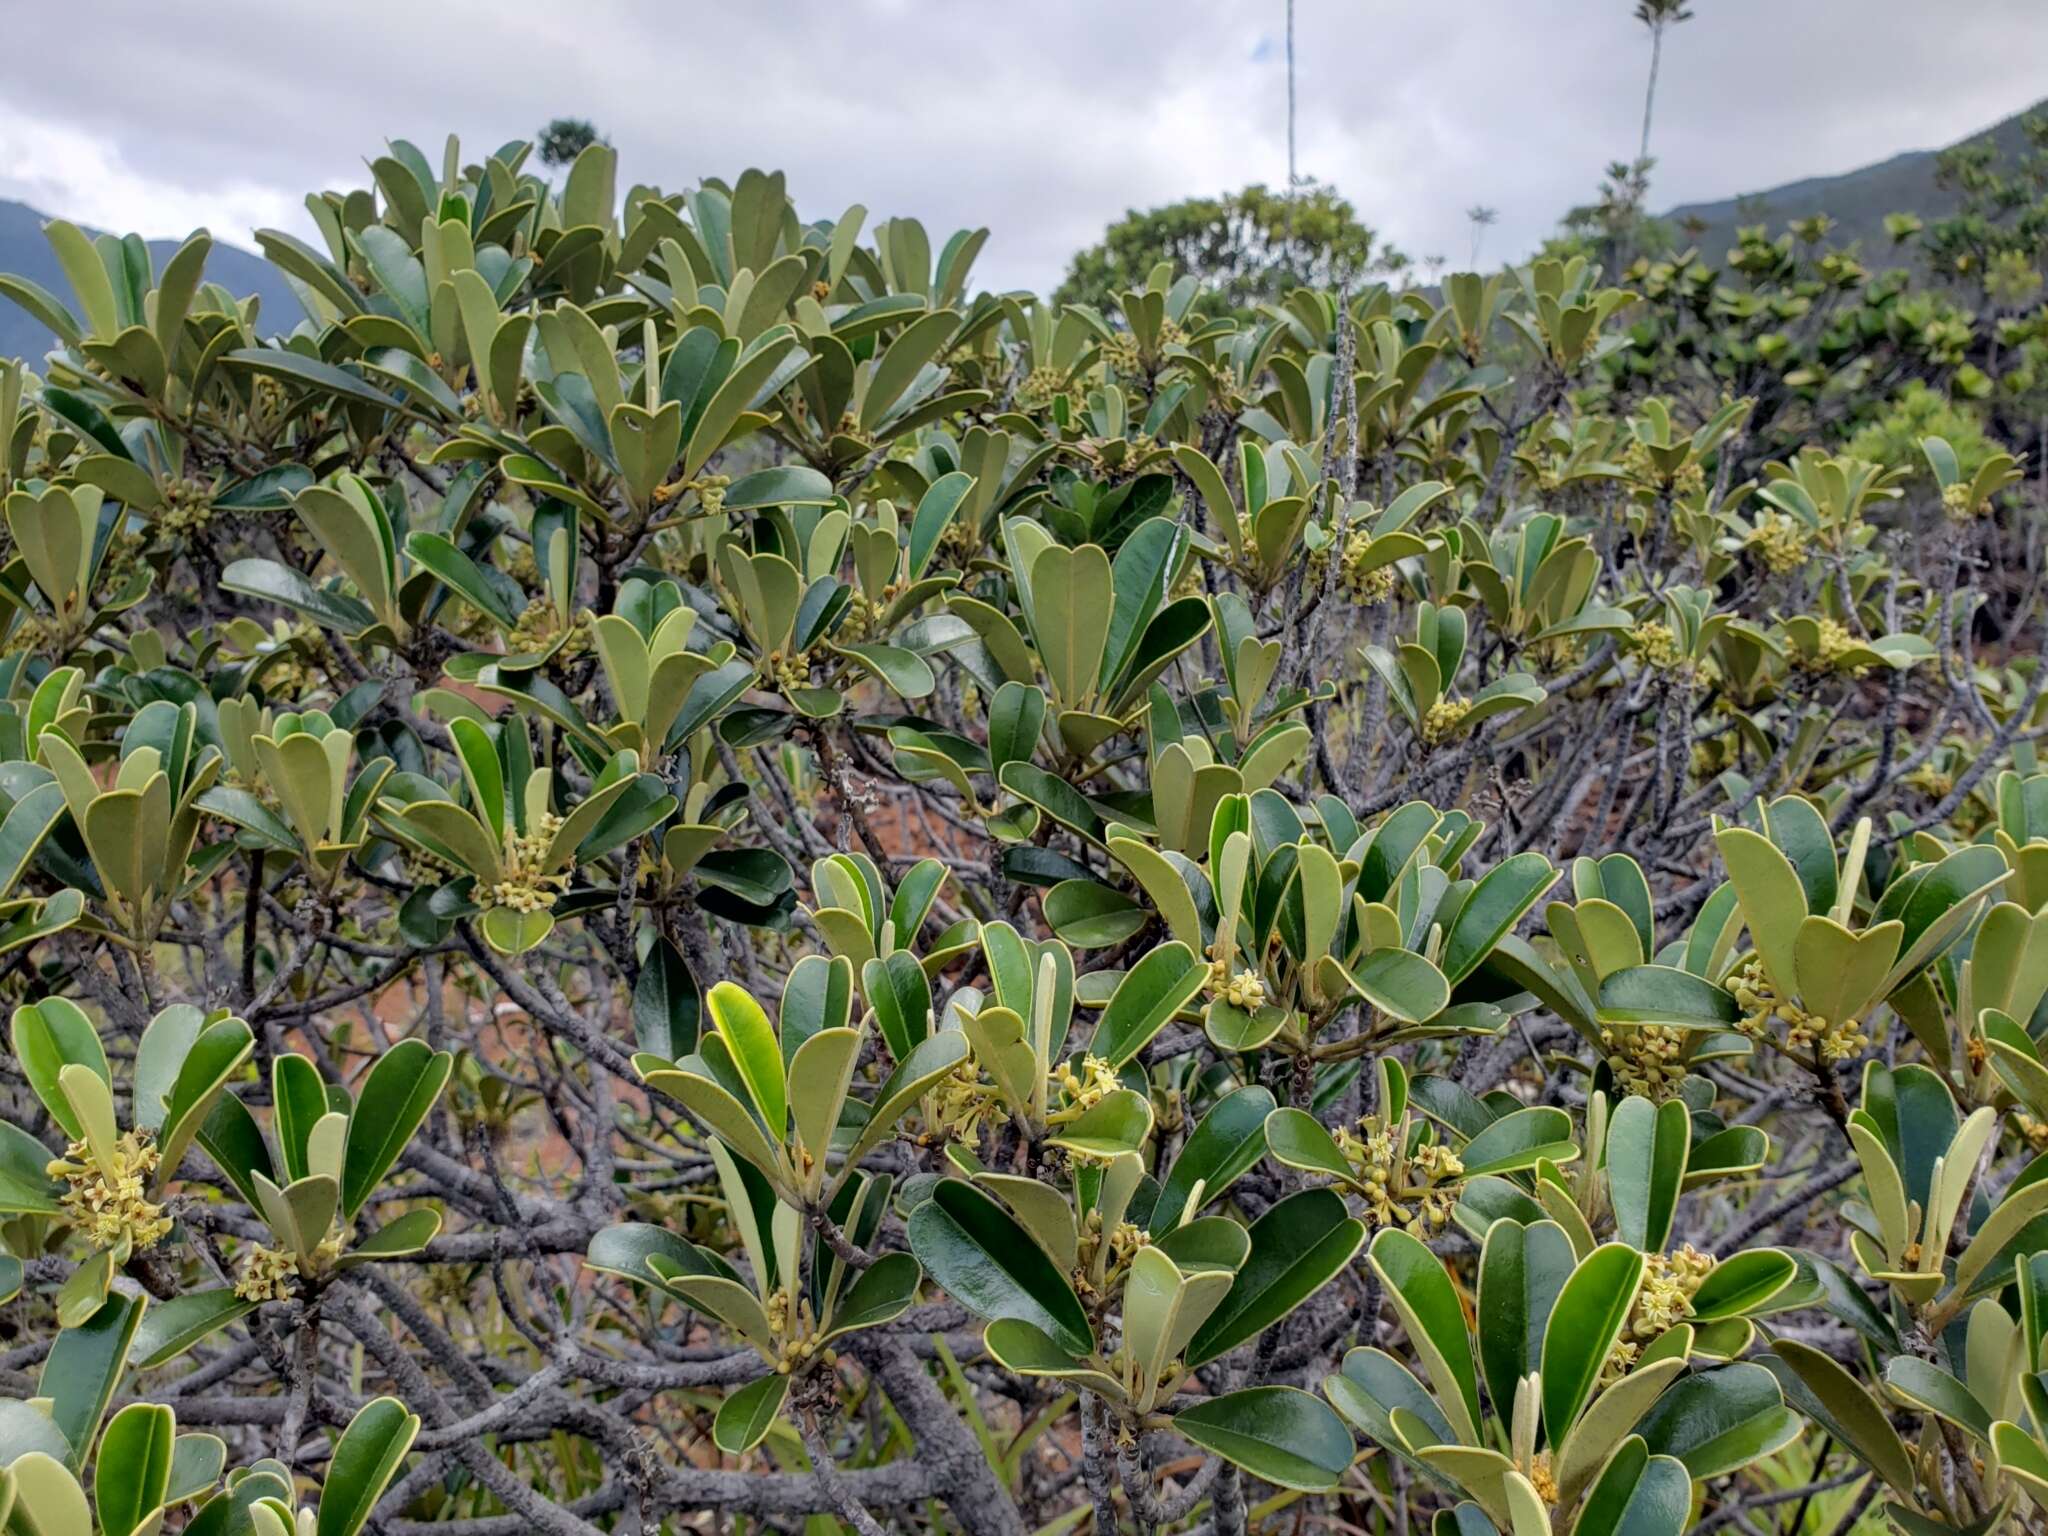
70, 172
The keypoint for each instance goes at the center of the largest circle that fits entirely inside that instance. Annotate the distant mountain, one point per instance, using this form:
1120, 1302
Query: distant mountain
25, 253
1857, 201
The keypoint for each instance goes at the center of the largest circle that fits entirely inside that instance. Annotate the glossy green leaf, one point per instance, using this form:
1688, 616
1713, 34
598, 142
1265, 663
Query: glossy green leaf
366, 1459
745, 1417
1584, 1323
1278, 1434
975, 1249
1298, 1246
1647, 1148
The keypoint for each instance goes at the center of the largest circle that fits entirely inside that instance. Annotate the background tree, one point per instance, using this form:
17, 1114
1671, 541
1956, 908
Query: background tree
1236, 246
564, 138
1481, 218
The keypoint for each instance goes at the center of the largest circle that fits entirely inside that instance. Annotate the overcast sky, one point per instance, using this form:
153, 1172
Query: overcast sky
1042, 121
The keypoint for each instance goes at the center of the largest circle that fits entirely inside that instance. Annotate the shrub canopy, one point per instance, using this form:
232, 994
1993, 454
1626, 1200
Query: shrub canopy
669, 842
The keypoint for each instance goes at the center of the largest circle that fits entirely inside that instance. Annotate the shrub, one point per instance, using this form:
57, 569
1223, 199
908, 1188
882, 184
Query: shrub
667, 844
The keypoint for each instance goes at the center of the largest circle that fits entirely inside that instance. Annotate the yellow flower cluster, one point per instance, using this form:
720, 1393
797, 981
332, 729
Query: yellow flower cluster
711, 493
1557, 653
1400, 1190
1442, 720
1959, 505
795, 1332
1931, 781
1782, 541
1648, 1059
790, 669
1655, 643
1670, 1281
267, 1274
271, 1274
299, 670
109, 1204
1245, 989
1755, 995
32, 633
188, 507
1087, 1087
1829, 1040
1365, 586
525, 888
864, 615
1122, 354
539, 624
1687, 479
1039, 386
1832, 647
963, 1102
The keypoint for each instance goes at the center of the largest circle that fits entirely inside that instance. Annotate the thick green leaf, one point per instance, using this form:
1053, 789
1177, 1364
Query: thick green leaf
900, 993
1496, 904
366, 1458
1279, 1434
1856, 1418
83, 1367
1584, 1324
1743, 1283
49, 1036
1637, 1494
1929, 1387
1521, 1270
172, 1327
1224, 1146
134, 1466
1427, 1302
1720, 1420
746, 1416
1647, 1148
992, 1266
1663, 994
396, 1095
25, 1184
1151, 992
1298, 1246
1297, 1138
747, 1034
1401, 984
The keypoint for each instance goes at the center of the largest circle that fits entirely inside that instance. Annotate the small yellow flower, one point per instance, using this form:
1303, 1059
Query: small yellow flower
267, 1274
1245, 989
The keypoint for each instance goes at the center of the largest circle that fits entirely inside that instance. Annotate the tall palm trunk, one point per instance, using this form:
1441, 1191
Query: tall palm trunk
1650, 95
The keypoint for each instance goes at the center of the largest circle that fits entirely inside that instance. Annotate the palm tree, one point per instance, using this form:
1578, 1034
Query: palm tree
1481, 217
1656, 15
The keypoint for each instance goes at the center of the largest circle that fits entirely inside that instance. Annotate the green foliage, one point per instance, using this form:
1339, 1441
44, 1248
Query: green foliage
1261, 892
1241, 248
